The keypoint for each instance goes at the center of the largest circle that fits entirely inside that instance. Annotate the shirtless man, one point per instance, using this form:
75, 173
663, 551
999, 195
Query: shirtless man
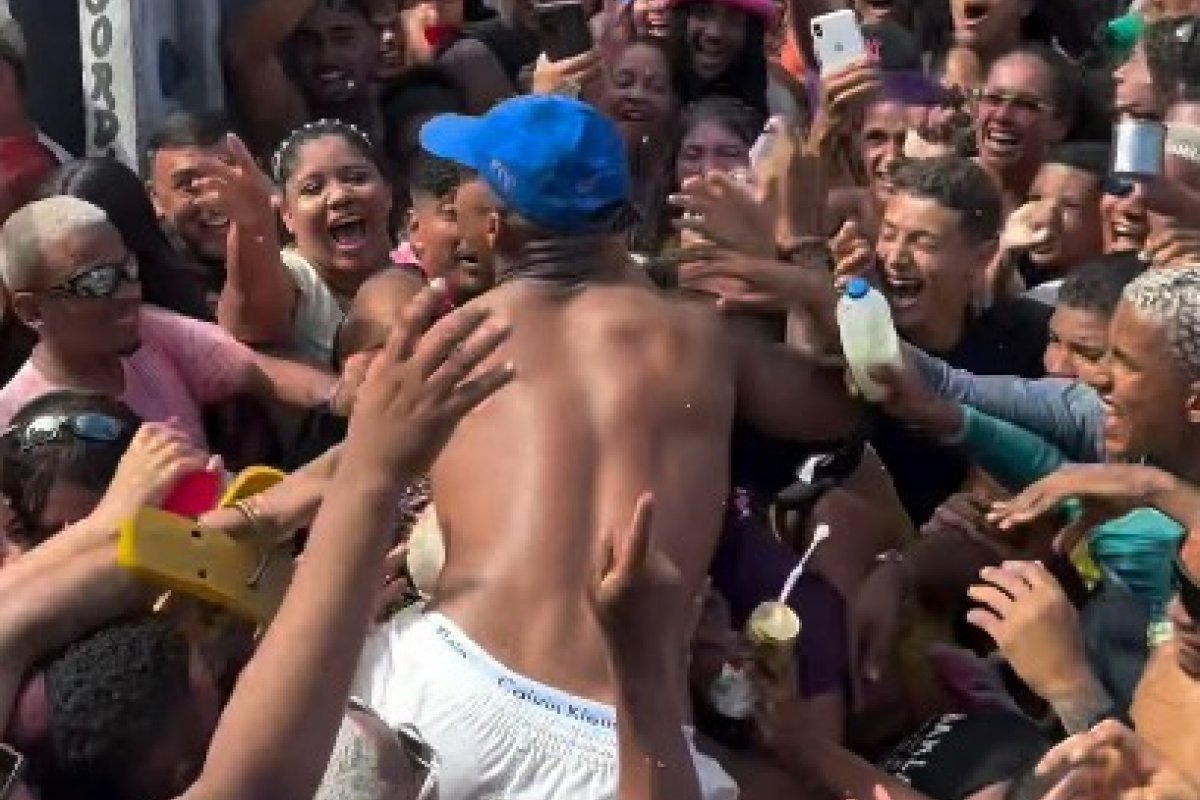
619, 391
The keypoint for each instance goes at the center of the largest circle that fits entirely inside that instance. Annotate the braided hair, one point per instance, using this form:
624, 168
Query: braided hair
283, 163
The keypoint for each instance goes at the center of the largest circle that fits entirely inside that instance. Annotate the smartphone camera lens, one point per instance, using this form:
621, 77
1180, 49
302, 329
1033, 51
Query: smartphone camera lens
817, 30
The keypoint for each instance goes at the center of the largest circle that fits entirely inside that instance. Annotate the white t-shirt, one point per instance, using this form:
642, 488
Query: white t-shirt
318, 313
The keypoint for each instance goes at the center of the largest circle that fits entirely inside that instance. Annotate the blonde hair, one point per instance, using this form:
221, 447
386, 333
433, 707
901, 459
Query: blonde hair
26, 234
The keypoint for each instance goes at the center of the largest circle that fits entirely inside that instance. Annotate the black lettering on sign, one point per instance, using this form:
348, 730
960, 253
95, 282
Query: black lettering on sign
106, 125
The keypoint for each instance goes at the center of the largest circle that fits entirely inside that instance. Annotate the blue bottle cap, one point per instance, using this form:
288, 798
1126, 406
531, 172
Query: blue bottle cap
857, 288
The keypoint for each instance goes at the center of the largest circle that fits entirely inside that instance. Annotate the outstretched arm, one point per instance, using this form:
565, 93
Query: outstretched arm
641, 605
71, 584
271, 103
258, 300
790, 395
1068, 413
296, 687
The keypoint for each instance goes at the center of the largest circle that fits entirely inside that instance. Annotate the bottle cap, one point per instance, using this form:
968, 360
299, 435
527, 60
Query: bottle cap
1121, 35
857, 288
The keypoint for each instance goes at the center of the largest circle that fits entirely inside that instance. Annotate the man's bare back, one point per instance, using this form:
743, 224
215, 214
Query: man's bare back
618, 391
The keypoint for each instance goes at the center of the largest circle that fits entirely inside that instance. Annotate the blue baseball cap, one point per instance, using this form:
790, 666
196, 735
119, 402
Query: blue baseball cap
555, 161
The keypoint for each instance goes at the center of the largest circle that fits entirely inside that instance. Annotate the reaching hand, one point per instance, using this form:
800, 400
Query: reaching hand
238, 189
910, 401
1173, 246
1110, 490
853, 255
842, 94
728, 213
582, 72
159, 455
419, 386
759, 285
1033, 224
1110, 762
396, 587
638, 597
354, 372
1028, 615
875, 621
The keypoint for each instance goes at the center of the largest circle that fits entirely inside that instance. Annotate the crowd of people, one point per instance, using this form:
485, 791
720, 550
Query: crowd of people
545, 354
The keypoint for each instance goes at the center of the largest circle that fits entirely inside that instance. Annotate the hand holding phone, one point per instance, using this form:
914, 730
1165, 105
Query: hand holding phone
837, 40
562, 28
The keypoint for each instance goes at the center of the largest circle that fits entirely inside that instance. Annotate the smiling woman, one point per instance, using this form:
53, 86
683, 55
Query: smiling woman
336, 206
719, 49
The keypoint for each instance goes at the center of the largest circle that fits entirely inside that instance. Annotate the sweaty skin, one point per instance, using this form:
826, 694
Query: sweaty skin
619, 390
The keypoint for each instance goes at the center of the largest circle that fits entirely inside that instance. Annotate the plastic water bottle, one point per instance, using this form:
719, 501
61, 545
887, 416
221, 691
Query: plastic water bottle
869, 338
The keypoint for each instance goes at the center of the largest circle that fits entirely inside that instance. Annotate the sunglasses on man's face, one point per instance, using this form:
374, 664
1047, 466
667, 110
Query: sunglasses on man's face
99, 282
84, 426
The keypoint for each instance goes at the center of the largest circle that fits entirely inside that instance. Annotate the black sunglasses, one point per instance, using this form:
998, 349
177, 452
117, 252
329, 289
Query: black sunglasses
1118, 187
98, 282
87, 426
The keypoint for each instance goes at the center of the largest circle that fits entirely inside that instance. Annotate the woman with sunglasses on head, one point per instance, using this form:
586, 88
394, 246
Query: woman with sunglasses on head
76, 285
57, 458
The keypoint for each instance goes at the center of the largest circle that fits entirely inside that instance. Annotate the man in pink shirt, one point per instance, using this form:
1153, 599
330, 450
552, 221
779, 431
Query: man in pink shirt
75, 284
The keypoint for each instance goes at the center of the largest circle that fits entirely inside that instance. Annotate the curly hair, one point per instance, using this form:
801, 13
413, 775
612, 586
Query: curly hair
110, 697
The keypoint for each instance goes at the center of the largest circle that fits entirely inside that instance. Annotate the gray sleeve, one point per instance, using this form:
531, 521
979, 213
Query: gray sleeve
1067, 413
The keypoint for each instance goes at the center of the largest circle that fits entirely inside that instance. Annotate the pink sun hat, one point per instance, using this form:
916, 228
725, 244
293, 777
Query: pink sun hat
768, 10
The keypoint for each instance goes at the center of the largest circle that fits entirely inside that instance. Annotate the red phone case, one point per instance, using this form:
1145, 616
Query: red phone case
195, 494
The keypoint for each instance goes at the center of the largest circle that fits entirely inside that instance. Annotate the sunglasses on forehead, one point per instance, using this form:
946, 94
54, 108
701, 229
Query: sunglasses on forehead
86, 426
99, 282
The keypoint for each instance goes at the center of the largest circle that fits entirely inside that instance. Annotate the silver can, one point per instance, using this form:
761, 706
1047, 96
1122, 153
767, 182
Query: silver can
1138, 146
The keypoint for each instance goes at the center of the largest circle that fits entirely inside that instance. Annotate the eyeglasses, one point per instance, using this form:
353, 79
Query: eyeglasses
86, 426
98, 282
1118, 187
1027, 104
12, 765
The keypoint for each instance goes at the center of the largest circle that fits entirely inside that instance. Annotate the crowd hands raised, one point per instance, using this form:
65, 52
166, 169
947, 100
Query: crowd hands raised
550, 350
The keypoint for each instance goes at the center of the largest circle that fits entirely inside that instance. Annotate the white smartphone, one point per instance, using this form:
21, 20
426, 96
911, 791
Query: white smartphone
837, 40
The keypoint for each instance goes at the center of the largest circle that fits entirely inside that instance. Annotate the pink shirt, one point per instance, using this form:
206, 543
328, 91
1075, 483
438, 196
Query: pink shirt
183, 365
